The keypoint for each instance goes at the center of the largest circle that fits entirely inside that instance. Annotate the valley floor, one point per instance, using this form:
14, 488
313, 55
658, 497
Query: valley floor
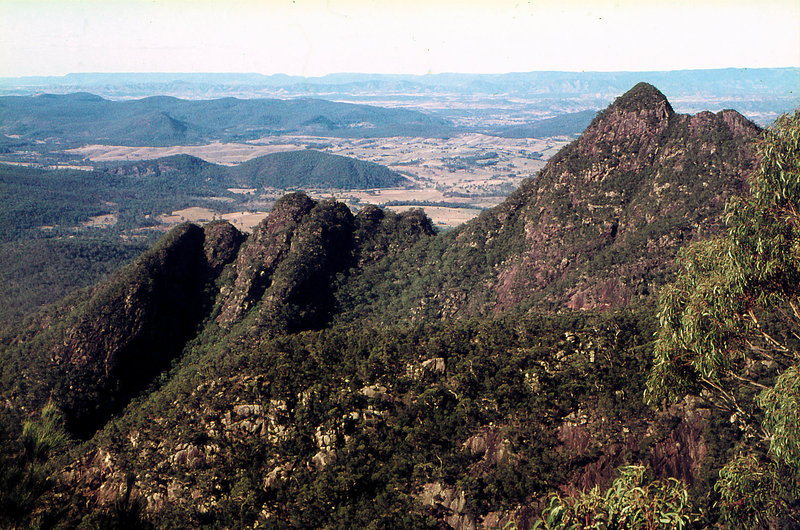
454, 178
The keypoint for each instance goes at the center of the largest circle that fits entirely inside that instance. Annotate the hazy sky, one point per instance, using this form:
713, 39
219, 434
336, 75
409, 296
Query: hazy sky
309, 37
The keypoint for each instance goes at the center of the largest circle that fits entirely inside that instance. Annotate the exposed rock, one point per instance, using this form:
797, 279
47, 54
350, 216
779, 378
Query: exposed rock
278, 474
325, 439
490, 444
378, 392
193, 457
451, 501
680, 454
435, 366
323, 458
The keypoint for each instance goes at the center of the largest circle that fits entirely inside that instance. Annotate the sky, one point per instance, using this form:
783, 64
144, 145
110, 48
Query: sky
317, 37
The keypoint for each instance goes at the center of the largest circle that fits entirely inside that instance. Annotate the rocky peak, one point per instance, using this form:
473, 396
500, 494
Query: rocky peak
261, 254
633, 124
738, 124
221, 244
643, 98
603, 220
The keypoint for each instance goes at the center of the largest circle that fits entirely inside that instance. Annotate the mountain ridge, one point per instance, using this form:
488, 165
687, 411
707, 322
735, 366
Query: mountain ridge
360, 369
82, 118
639, 183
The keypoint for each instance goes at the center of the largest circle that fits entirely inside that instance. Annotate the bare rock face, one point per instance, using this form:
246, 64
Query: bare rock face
594, 449
452, 503
680, 453
489, 444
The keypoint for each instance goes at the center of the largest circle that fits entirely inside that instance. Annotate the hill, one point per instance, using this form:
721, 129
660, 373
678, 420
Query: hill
81, 118
313, 169
338, 370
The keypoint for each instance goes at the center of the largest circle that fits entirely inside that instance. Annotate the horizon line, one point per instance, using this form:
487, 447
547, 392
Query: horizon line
386, 74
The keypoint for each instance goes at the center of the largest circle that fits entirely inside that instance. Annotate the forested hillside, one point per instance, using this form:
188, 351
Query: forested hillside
615, 345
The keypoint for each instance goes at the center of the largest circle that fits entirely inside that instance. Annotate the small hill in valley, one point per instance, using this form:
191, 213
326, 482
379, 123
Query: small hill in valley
313, 169
284, 170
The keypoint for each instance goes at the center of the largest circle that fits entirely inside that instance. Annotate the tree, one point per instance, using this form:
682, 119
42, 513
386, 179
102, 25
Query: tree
730, 332
632, 501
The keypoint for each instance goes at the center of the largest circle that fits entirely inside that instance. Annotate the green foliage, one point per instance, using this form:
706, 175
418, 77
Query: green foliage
699, 323
48, 434
632, 501
730, 331
38, 272
757, 493
781, 405
25, 462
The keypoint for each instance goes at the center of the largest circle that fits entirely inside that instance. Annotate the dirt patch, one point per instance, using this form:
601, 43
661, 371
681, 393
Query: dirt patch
443, 217
101, 221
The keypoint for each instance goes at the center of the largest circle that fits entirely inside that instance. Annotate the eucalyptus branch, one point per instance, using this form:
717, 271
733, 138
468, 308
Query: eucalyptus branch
749, 381
795, 310
749, 422
759, 350
781, 347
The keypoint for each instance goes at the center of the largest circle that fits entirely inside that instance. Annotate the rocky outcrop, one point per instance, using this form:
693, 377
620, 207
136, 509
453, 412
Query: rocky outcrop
450, 502
221, 244
261, 254
133, 325
604, 219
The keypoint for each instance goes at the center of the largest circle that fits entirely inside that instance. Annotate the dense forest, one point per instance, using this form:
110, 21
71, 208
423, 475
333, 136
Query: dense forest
615, 346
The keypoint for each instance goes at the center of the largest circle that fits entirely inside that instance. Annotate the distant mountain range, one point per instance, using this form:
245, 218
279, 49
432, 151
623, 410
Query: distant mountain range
759, 93
83, 118
721, 82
